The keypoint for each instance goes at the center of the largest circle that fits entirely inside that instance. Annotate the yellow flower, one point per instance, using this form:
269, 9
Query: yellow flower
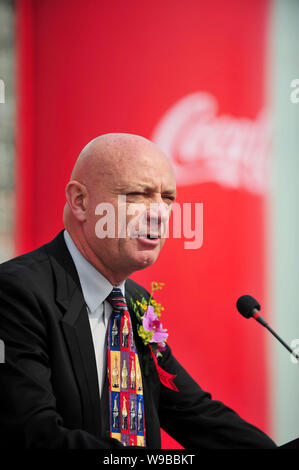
143, 306
157, 307
157, 286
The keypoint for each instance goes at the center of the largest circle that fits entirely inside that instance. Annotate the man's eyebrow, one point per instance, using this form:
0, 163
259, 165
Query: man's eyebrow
171, 191
135, 187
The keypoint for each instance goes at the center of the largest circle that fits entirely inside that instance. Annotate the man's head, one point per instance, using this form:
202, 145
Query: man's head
110, 166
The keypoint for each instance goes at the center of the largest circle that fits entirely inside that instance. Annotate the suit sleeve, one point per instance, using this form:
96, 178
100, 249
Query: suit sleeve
196, 421
28, 415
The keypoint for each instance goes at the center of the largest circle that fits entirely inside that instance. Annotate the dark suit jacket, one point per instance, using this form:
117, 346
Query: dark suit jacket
49, 395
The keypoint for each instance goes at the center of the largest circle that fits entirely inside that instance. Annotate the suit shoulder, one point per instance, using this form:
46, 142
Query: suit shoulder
26, 267
136, 290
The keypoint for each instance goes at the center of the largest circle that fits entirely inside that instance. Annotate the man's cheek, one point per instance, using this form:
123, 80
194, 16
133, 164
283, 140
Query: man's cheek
137, 223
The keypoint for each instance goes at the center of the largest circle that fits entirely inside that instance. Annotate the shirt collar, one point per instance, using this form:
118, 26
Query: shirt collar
95, 286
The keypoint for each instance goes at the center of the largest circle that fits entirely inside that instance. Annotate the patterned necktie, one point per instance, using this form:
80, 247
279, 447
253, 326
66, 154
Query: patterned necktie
125, 382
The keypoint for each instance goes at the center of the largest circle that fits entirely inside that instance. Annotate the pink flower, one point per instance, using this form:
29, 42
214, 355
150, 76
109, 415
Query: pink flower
151, 322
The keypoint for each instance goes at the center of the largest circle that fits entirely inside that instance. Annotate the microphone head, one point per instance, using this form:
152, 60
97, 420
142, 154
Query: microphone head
246, 305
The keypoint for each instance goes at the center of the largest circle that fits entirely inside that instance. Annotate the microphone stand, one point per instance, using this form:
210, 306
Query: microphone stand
262, 321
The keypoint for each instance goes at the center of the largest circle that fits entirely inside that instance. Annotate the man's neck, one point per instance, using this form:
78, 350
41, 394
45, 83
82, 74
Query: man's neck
114, 278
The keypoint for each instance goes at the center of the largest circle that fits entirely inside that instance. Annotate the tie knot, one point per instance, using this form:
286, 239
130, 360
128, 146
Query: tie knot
117, 300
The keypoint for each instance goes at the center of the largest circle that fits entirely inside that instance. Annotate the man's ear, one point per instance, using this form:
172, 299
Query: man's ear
76, 196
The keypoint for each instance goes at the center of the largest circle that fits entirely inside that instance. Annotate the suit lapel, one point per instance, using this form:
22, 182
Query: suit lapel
76, 329
77, 333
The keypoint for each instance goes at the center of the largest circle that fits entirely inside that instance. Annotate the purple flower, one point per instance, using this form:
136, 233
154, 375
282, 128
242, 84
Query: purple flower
151, 322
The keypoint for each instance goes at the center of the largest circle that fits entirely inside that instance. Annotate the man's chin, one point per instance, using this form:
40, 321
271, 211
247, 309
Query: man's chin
145, 259
143, 254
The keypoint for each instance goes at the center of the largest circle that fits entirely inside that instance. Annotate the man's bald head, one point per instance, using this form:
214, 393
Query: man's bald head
110, 166
111, 152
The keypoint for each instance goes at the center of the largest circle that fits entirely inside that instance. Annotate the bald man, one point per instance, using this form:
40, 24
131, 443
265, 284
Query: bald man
54, 317
110, 166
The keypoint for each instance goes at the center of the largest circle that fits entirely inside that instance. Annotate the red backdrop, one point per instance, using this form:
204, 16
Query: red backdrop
87, 68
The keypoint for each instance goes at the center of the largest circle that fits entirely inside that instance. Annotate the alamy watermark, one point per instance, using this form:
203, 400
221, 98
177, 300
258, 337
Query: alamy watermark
135, 220
2, 91
2, 100
294, 96
2, 352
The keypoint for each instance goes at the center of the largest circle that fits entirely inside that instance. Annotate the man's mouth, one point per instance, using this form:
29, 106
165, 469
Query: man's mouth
149, 236
149, 239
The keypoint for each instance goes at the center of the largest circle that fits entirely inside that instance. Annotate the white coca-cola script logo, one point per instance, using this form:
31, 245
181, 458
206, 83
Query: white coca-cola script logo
205, 147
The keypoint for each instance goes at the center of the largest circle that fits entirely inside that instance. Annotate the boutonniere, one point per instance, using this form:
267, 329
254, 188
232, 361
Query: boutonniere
148, 313
151, 331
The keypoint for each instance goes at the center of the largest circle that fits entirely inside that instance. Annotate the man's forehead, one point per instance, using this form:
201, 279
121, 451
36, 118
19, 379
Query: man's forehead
143, 169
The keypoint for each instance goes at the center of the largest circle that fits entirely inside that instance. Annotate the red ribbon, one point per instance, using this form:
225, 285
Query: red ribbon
165, 378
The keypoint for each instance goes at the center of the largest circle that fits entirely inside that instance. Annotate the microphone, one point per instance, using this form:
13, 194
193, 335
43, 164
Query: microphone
249, 307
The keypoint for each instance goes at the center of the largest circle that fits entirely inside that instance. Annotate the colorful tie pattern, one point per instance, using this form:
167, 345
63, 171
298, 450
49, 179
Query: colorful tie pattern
125, 382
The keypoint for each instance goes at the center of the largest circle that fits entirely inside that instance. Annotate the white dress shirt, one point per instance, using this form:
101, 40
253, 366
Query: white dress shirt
95, 288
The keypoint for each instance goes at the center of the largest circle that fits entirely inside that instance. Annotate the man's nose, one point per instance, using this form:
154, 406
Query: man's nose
157, 213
